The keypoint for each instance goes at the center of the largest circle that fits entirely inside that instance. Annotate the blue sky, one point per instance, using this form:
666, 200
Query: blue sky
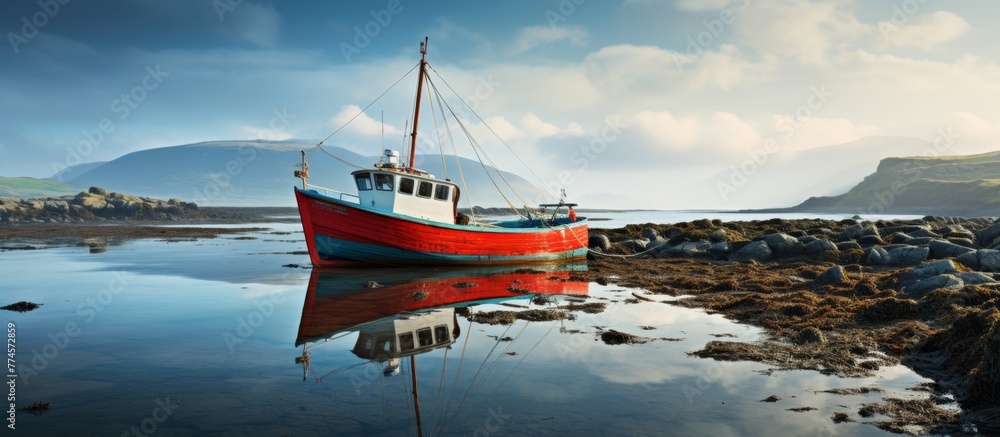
586, 91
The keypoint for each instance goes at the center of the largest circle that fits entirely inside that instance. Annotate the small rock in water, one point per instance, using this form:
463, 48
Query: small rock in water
613, 337
21, 306
771, 398
373, 284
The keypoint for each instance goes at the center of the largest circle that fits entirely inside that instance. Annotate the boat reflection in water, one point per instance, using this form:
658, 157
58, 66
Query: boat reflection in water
399, 313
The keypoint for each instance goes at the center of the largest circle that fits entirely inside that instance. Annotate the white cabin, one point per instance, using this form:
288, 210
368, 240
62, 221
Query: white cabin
407, 334
391, 188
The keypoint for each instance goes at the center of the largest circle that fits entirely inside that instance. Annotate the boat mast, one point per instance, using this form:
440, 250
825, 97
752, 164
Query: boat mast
416, 109
416, 396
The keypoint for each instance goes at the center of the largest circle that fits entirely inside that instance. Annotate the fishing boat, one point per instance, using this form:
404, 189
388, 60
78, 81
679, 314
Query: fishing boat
401, 215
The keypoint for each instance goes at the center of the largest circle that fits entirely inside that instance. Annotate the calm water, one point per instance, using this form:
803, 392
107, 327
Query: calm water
207, 337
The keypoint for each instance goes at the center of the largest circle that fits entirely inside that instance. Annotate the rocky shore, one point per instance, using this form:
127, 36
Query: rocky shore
96, 204
840, 297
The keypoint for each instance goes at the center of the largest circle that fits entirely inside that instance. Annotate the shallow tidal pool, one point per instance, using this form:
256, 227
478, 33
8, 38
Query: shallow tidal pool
232, 336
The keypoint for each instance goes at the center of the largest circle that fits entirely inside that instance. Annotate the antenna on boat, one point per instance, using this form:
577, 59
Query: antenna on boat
416, 109
304, 173
383, 131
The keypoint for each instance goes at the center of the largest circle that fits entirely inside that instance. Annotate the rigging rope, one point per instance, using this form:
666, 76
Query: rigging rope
437, 132
461, 359
476, 148
454, 152
544, 184
369, 105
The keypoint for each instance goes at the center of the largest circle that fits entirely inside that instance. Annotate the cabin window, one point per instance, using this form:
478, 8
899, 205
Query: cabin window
441, 192
406, 185
383, 182
405, 342
441, 334
425, 189
364, 181
424, 337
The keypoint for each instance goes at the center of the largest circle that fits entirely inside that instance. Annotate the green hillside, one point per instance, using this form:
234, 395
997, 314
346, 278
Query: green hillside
31, 187
954, 185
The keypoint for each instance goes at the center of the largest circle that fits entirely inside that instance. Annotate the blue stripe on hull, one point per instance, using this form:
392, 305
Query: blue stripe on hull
337, 249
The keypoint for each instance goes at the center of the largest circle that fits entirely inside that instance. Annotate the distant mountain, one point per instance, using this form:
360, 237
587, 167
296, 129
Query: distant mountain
945, 185
786, 177
75, 171
31, 187
259, 173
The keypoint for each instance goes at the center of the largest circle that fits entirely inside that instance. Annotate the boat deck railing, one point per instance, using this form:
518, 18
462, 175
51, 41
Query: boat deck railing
327, 191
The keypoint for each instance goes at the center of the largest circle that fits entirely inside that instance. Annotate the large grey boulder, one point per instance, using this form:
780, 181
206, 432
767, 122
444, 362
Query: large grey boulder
988, 236
924, 287
856, 231
848, 245
975, 278
897, 256
687, 249
877, 256
784, 245
983, 260
946, 249
635, 245
870, 240
908, 256
819, 246
756, 251
56, 206
956, 231
650, 234
721, 248
903, 229
832, 276
923, 233
717, 235
924, 271
600, 242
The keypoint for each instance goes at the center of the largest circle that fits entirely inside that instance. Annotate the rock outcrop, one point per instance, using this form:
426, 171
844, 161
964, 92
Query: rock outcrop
95, 204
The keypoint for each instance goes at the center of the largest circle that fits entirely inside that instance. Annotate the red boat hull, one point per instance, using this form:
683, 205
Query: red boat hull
337, 300
339, 232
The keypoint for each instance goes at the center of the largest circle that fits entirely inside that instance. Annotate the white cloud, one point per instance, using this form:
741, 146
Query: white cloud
536, 128
531, 37
701, 5
800, 30
362, 125
925, 31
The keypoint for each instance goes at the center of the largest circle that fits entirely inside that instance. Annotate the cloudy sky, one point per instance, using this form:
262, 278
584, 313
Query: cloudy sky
594, 95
